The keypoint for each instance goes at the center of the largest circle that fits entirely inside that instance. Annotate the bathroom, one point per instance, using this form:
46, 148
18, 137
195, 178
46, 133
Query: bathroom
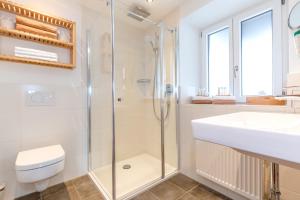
108, 99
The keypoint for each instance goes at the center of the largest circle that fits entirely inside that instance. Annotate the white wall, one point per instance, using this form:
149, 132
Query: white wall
190, 60
289, 178
23, 127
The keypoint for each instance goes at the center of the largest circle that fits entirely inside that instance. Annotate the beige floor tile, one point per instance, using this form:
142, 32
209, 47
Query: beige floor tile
95, 197
145, 196
33, 196
188, 197
201, 193
183, 182
167, 191
81, 180
87, 190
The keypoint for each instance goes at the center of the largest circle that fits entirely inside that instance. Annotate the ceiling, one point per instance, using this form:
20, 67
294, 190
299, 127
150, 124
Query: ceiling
214, 11
158, 9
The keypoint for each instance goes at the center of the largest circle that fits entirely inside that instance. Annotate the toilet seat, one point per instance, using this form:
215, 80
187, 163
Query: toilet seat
38, 166
39, 158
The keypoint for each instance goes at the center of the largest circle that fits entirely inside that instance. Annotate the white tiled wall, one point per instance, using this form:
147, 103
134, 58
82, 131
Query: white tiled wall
290, 178
24, 127
188, 145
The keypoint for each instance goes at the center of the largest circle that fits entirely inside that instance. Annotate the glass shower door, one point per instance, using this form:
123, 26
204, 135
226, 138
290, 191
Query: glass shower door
132, 98
145, 111
138, 145
97, 35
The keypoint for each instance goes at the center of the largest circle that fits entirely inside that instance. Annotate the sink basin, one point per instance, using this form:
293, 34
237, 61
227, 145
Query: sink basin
270, 136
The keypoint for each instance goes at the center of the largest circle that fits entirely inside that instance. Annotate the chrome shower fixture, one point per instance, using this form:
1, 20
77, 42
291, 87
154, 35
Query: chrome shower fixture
138, 13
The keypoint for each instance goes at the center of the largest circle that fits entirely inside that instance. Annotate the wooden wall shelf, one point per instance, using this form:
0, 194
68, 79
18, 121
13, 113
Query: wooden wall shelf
19, 10
35, 62
34, 38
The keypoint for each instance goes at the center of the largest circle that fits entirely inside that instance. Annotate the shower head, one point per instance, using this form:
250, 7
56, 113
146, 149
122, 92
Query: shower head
138, 13
152, 41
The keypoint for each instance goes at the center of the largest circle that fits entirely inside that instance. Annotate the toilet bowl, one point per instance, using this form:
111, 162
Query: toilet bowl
37, 166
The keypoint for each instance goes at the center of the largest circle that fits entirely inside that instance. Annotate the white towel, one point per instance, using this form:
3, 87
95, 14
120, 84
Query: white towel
35, 57
201, 98
35, 51
35, 54
224, 97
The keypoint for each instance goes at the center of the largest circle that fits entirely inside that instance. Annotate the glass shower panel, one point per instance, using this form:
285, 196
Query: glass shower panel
144, 143
138, 144
97, 35
170, 82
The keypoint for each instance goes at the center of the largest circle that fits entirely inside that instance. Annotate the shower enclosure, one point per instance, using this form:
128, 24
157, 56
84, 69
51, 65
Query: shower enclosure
132, 98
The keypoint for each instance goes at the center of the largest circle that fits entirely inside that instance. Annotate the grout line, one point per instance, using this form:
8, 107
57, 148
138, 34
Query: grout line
170, 183
74, 186
188, 191
156, 197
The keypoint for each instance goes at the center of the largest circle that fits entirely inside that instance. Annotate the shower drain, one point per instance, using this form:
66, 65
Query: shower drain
127, 166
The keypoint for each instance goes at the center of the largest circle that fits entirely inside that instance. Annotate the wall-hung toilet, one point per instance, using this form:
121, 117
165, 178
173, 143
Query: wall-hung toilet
37, 166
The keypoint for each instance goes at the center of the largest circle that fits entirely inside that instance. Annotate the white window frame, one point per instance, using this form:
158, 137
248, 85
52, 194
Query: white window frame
277, 65
205, 34
234, 24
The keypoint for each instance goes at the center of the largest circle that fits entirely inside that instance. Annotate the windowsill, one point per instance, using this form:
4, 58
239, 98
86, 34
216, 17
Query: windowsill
236, 104
242, 106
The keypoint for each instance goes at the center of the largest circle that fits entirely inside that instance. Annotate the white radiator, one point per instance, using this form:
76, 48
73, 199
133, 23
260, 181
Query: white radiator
235, 171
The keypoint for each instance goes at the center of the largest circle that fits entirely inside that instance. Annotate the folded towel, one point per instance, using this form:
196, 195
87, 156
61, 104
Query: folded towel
36, 57
201, 98
35, 52
223, 98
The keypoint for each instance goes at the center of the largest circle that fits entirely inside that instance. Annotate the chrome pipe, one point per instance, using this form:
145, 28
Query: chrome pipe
89, 97
266, 182
275, 187
113, 95
162, 98
177, 93
271, 187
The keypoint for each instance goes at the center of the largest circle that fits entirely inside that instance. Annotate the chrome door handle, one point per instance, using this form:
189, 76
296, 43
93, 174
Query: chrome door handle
235, 71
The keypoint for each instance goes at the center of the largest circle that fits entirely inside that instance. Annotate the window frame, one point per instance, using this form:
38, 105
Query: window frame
205, 41
234, 25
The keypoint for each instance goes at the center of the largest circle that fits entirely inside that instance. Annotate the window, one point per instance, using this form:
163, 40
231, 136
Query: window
241, 55
256, 55
218, 60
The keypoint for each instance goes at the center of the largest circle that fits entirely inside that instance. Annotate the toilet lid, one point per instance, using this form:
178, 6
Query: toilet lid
41, 157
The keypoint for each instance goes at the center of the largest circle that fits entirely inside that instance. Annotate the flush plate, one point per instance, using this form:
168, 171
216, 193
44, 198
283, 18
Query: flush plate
40, 98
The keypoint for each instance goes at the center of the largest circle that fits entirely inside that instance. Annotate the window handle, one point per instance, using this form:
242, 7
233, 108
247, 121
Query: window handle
235, 71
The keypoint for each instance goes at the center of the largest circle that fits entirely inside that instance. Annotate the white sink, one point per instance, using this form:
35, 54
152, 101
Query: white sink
270, 136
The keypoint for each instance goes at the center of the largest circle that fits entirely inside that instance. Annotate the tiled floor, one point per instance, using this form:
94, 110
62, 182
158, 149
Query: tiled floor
81, 188
179, 187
